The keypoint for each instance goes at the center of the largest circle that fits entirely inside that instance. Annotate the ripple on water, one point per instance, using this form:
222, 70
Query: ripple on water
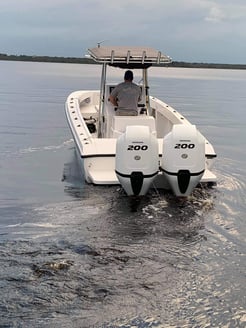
104, 262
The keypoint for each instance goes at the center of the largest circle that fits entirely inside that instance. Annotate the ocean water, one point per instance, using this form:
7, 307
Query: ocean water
76, 255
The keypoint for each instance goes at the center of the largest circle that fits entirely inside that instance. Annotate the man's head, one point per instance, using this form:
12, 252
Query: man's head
128, 76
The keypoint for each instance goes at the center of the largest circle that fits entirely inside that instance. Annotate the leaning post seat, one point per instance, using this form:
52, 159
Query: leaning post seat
121, 122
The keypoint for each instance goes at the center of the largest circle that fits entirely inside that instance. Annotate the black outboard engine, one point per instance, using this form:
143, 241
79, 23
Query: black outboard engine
136, 159
183, 158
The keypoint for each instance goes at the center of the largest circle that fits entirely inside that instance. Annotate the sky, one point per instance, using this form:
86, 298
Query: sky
210, 31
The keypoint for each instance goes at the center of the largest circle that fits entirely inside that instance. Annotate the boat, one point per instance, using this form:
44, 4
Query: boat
159, 148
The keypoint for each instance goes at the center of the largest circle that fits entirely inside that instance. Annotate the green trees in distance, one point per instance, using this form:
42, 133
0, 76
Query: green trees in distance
75, 60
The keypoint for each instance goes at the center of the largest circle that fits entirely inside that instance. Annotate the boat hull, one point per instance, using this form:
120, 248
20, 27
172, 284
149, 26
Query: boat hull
98, 158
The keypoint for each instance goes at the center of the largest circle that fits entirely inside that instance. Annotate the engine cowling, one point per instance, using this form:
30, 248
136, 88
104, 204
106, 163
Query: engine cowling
183, 158
136, 159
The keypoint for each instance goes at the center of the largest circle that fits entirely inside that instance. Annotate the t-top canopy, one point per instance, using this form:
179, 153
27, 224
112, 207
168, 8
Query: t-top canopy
128, 56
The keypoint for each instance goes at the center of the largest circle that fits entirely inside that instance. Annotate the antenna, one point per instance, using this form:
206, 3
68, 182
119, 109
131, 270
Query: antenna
99, 43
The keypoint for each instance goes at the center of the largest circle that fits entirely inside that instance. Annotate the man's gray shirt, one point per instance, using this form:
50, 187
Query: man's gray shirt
128, 95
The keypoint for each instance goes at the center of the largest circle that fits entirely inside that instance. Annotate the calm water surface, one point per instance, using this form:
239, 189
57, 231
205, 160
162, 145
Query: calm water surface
75, 255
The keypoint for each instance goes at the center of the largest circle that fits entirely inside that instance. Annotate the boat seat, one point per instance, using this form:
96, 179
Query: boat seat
121, 122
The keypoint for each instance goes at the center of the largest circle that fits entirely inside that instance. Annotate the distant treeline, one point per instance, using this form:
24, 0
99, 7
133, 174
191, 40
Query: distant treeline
46, 59
75, 60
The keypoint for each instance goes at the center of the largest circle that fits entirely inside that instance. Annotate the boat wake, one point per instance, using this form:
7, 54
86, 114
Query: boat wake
29, 150
66, 143
108, 260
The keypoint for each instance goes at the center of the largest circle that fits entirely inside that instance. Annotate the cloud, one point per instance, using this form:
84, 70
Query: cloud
187, 30
227, 11
215, 15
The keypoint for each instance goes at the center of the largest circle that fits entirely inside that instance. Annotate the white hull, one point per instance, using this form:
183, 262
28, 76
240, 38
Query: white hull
98, 154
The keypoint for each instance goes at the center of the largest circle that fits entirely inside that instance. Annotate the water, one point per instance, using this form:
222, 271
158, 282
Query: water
75, 255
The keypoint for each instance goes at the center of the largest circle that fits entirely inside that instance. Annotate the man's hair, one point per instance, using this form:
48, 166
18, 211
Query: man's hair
128, 76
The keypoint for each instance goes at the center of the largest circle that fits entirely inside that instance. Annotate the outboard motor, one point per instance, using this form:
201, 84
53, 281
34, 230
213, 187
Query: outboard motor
183, 158
136, 159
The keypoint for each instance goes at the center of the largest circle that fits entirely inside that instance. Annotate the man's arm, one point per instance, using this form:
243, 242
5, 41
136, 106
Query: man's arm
113, 100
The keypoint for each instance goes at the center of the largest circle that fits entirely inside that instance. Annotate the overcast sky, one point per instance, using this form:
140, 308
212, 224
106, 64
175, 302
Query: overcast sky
187, 30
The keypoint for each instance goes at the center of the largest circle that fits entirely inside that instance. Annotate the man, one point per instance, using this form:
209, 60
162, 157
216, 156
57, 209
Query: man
126, 95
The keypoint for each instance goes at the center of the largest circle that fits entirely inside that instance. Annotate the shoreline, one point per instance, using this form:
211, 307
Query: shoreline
75, 60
